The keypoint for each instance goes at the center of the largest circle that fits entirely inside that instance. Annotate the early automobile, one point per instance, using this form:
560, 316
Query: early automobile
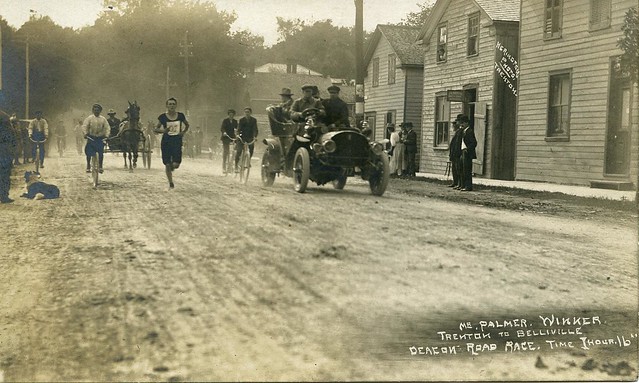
313, 151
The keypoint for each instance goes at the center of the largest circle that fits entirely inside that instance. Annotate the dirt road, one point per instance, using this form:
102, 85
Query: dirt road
220, 281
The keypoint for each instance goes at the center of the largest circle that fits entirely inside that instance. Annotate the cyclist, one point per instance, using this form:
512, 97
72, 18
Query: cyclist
247, 133
61, 136
38, 132
173, 125
96, 129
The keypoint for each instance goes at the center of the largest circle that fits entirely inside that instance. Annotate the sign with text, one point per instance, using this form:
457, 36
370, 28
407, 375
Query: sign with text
506, 67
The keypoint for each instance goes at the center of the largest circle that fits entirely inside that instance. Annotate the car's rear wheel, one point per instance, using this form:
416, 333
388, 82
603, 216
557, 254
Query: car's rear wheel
378, 179
268, 177
339, 182
301, 169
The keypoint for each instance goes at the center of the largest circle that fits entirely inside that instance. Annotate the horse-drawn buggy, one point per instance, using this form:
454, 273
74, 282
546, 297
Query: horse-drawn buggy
322, 154
131, 140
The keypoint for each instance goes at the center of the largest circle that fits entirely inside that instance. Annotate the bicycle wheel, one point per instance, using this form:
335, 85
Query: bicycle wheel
37, 159
247, 164
94, 170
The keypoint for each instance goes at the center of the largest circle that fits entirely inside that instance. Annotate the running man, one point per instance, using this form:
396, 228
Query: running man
96, 129
173, 126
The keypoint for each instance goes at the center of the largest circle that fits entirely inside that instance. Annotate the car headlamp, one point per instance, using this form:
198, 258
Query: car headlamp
330, 146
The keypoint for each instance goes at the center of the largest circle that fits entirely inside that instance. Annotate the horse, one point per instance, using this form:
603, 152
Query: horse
131, 134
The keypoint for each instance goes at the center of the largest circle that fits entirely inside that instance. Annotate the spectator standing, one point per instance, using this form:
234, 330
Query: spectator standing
229, 127
468, 145
454, 154
410, 145
17, 133
396, 147
7, 148
79, 136
38, 131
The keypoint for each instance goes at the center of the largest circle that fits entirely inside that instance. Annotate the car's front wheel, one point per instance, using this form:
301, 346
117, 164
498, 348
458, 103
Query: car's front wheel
378, 179
301, 169
268, 177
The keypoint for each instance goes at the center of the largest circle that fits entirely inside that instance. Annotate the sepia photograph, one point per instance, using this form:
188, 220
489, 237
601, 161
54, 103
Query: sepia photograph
346, 190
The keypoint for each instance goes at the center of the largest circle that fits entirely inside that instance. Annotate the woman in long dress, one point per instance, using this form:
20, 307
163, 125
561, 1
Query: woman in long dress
397, 163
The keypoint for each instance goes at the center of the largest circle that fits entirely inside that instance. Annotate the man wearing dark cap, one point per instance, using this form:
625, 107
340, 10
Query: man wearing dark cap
305, 102
287, 102
410, 146
114, 123
336, 109
229, 127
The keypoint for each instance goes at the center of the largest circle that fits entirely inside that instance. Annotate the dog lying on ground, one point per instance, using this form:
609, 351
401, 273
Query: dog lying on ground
37, 189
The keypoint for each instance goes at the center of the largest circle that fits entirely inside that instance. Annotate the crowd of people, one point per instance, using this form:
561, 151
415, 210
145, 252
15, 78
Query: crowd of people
20, 142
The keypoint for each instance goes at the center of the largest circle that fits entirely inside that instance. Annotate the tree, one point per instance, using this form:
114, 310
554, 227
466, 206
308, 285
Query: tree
417, 19
629, 44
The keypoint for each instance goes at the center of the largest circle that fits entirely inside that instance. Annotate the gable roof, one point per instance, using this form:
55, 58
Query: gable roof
403, 41
281, 68
495, 10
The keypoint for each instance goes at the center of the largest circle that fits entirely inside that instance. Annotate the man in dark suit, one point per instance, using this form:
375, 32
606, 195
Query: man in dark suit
7, 146
229, 126
247, 132
455, 153
336, 109
410, 147
468, 145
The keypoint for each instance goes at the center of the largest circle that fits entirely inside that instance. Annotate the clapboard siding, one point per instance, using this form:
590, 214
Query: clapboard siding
586, 54
458, 70
404, 96
384, 97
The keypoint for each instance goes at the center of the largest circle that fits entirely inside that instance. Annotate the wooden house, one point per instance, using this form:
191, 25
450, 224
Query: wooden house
577, 121
394, 78
470, 67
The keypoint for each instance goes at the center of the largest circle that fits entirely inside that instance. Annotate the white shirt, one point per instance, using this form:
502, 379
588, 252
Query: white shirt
96, 126
394, 138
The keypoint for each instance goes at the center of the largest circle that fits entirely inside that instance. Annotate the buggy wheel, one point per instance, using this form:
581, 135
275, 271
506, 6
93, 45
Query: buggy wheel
301, 169
380, 173
268, 177
339, 182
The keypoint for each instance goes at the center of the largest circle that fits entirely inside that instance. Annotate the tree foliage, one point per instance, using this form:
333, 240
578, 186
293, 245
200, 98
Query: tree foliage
629, 44
417, 19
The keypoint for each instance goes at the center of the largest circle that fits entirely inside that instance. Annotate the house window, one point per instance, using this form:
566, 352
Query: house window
376, 71
392, 63
442, 39
559, 106
552, 27
473, 34
441, 122
599, 14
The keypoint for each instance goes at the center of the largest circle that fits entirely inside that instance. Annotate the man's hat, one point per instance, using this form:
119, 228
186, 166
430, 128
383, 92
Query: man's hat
407, 125
111, 111
333, 88
286, 92
97, 106
462, 118
307, 86
231, 111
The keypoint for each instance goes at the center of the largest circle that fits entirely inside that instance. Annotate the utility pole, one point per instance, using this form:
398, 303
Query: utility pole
186, 53
359, 61
167, 84
27, 81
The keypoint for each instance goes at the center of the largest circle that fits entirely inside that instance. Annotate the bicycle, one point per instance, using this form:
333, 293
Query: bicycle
95, 166
245, 161
37, 153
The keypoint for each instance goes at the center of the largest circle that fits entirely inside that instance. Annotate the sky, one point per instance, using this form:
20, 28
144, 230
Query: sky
257, 16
